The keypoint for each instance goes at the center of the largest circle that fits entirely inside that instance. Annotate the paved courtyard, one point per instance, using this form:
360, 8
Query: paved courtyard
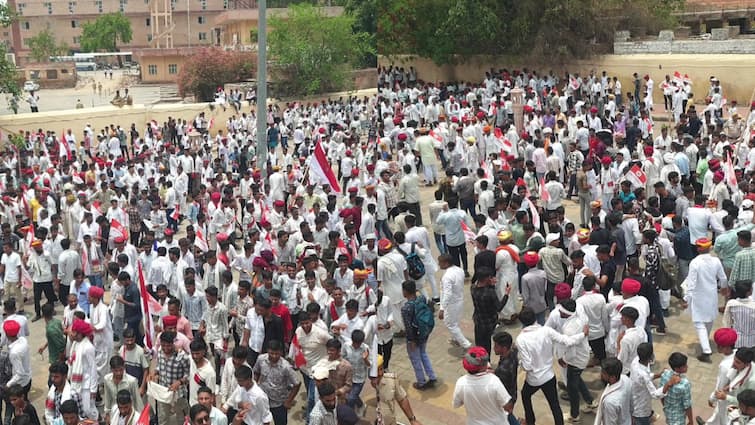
433, 407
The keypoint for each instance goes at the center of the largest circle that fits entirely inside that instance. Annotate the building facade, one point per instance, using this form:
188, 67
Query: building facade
193, 22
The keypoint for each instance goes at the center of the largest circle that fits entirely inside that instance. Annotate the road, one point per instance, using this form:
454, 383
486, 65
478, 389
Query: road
62, 99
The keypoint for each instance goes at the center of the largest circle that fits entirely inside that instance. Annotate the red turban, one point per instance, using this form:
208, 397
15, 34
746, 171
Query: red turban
606, 160
476, 360
215, 196
170, 321
96, 292
725, 337
279, 203
260, 262
531, 258
402, 137
630, 286
384, 244
648, 150
82, 327
11, 328
120, 239
562, 291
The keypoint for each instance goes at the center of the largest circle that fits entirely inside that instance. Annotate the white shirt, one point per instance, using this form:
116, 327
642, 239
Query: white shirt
483, 395
11, 262
615, 404
643, 389
577, 355
535, 344
260, 410
632, 338
452, 287
18, 355
255, 324
594, 305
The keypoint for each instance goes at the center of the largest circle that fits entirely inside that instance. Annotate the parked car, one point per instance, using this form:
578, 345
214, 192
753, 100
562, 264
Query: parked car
31, 86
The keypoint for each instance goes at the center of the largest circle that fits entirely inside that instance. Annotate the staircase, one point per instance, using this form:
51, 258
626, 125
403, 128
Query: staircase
168, 94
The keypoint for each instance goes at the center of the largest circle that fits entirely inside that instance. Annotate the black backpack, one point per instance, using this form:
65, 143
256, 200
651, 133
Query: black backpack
414, 265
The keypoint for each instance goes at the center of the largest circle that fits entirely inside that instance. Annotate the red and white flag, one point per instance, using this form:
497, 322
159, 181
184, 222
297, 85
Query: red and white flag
637, 177
545, 196
176, 212
730, 174
144, 416
296, 353
116, 229
149, 329
212, 122
268, 244
320, 171
200, 241
26, 281
468, 233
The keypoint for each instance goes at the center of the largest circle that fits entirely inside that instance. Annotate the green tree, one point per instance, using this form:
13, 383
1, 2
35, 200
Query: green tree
448, 31
9, 80
44, 45
313, 53
365, 21
105, 33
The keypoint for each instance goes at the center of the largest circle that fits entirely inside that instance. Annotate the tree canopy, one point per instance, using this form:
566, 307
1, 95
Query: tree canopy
210, 68
105, 33
448, 30
313, 53
44, 45
8, 76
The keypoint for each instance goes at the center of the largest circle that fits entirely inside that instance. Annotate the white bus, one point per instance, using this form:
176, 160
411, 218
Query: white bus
85, 61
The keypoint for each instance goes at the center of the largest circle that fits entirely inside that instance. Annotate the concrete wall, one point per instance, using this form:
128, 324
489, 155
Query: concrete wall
734, 71
734, 46
102, 116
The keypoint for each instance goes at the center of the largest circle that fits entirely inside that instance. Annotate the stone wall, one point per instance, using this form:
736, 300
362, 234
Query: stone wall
734, 71
733, 46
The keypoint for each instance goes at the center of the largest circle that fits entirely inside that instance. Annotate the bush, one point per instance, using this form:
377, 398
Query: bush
210, 68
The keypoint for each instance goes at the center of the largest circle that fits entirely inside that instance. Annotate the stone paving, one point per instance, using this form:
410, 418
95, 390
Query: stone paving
433, 407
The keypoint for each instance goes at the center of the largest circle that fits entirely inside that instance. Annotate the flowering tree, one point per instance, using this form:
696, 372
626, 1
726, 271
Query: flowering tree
210, 68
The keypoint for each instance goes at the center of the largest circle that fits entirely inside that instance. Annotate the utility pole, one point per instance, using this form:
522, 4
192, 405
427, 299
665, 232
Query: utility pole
188, 22
262, 88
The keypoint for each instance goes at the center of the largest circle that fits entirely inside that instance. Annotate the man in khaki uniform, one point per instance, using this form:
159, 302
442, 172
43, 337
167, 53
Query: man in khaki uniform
390, 393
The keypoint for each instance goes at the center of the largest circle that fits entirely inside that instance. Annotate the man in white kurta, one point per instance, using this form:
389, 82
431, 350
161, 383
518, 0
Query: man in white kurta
452, 299
706, 275
391, 273
506, 262
99, 317
81, 367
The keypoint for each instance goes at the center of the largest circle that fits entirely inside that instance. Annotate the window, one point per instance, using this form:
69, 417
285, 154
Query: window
27, 41
172, 68
48, 5
98, 3
52, 74
27, 25
76, 40
225, 4
64, 71
202, 36
20, 7
71, 6
204, 4
149, 38
147, 22
74, 24
201, 20
122, 5
152, 69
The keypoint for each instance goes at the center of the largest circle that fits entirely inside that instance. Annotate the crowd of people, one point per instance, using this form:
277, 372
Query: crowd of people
215, 286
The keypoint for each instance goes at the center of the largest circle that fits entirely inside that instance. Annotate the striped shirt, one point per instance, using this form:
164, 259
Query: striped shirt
740, 315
